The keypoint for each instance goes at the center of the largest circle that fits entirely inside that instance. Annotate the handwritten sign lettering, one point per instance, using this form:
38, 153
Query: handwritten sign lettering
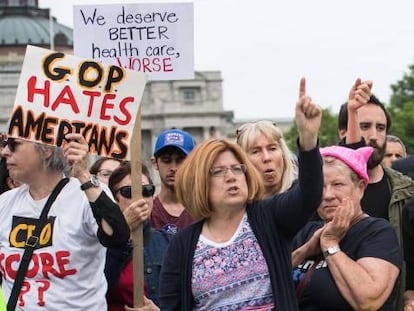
156, 39
60, 94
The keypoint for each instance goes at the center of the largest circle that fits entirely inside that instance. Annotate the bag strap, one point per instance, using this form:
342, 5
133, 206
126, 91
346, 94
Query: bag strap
306, 278
30, 246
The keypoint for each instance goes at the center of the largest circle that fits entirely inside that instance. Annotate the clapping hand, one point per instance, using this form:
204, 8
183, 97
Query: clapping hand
336, 229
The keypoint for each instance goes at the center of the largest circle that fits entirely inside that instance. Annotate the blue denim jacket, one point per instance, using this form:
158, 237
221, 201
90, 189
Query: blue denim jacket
155, 245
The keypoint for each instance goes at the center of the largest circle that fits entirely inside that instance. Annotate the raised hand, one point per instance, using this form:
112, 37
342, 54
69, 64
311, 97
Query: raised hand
359, 94
308, 118
76, 154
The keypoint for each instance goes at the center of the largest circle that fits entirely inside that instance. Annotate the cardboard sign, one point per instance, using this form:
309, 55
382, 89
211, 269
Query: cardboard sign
156, 39
60, 94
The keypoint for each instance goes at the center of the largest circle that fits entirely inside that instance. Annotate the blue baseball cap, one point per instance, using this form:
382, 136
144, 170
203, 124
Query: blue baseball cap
174, 138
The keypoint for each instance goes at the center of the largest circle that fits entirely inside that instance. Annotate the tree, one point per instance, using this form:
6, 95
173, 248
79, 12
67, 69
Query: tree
401, 109
328, 133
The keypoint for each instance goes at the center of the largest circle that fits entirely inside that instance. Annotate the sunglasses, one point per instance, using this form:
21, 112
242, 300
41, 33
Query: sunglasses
12, 143
147, 191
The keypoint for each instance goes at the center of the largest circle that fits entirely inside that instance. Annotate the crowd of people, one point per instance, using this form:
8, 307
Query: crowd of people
234, 225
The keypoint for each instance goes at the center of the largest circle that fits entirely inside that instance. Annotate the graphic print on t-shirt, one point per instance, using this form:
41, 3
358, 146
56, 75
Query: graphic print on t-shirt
23, 228
44, 262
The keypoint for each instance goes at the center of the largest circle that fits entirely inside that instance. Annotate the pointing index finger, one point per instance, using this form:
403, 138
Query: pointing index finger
302, 87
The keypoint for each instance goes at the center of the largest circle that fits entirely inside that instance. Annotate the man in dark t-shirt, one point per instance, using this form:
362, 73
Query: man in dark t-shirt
171, 148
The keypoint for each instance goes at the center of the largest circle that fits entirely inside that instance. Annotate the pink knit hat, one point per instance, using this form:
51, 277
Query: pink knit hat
356, 159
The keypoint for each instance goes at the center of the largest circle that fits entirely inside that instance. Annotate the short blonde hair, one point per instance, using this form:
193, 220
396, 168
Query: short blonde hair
247, 134
192, 179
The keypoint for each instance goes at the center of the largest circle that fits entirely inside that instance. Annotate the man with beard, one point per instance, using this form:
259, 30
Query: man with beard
367, 124
171, 148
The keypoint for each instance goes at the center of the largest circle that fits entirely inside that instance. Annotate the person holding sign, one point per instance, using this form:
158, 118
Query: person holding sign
66, 270
119, 262
237, 257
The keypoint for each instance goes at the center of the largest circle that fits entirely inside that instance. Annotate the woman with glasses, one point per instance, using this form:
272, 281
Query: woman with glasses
118, 269
267, 150
237, 256
103, 168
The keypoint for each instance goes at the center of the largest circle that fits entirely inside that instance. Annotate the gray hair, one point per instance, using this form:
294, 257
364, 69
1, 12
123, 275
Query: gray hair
247, 134
396, 139
56, 162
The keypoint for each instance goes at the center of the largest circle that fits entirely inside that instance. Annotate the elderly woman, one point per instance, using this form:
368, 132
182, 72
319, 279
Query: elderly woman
349, 261
237, 256
267, 150
66, 271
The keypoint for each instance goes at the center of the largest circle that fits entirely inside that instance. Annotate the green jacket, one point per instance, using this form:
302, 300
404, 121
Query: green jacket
401, 189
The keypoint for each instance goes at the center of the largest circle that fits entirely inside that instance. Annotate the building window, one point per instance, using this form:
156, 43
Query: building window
190, 95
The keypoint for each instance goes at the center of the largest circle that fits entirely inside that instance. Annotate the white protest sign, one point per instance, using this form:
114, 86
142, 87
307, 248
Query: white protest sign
60, 94
156, 39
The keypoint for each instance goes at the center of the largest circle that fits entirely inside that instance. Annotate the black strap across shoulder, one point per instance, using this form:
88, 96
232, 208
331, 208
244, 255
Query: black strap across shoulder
30, 246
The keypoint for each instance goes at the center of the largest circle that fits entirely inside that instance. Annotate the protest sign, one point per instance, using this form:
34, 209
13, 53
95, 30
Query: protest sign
60, 94
156, 39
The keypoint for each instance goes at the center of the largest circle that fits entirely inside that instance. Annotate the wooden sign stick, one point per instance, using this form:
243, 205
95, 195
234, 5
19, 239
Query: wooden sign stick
137, 232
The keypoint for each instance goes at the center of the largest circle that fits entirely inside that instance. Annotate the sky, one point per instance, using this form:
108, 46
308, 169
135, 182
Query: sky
264, 47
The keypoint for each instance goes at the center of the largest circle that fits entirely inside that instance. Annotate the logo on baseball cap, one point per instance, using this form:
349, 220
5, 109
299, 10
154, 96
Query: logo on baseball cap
174, 138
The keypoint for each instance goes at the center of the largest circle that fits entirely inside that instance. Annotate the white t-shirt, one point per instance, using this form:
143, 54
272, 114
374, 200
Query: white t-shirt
67, 271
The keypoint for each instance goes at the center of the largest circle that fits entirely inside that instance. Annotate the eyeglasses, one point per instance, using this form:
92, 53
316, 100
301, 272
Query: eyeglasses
126, 191
247, 125
219, 171
105, 173
12, 143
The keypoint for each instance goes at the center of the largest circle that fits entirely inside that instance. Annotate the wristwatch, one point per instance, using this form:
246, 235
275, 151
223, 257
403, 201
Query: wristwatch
92, 182
331, 251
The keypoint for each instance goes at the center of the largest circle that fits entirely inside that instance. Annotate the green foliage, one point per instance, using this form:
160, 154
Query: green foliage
401, 109
403, 90
328, 133
402, 124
